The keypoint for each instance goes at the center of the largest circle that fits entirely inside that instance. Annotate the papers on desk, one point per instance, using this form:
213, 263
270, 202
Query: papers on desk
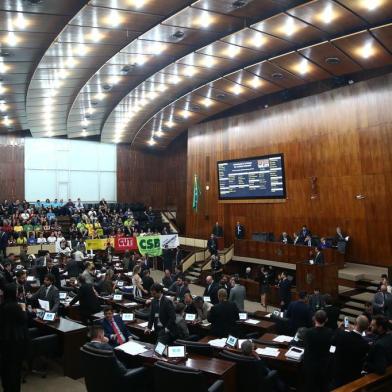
143, 325
268, 351
132, 348
218, 342
127, 287
30, 279
283, 339
240, 341
268, 315
205, 323
252, 321
129, 304
44, 305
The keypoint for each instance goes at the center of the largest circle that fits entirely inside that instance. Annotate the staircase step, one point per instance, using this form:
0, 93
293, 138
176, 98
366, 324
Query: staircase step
193, 273
373, 289
354, 312
192, 279
356, 305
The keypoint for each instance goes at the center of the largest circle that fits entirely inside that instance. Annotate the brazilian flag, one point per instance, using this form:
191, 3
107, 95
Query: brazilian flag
196, 193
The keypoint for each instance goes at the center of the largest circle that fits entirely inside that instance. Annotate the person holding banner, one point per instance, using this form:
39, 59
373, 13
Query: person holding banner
137, 282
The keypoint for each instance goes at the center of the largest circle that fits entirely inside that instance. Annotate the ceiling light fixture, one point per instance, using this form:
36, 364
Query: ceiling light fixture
162, 88
6, 121
289, 27
158, 133
95, 35
205, 20
2, 89
257, 41
20, 22
84, 122
367, 50
328, 15
170, 124
175, 79
233, 51
237, 89
3, 106
371, 5
12, 40
207, 102
114, 19
151, 142
100, 96
303, 67
255, 82
209, 62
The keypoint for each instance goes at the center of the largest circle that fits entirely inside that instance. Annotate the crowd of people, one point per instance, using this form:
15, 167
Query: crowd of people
335, 353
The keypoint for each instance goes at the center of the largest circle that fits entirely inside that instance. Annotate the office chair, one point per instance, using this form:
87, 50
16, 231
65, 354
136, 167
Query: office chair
42, 347
143, 314
251, 372
191, 380
102, 372
196, 347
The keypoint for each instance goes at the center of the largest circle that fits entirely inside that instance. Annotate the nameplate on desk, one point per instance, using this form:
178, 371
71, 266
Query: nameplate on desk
63, 282
231, 341
283, 339
117, 297
243, 316
30, 279
120, 284
130, 304
128, 317
143, 325
206, 299
190, 317
160, 349
62, 295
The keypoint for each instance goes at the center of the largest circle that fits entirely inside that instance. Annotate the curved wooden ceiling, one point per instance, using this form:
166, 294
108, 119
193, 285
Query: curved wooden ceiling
142, 71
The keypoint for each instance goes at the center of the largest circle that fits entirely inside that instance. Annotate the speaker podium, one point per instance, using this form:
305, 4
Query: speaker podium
312, 276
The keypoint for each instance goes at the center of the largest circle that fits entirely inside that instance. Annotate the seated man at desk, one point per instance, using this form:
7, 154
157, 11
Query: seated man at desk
285, 238
48, 292
114, 328
223, 316
162, 316
319, 256
179, 288
202, 308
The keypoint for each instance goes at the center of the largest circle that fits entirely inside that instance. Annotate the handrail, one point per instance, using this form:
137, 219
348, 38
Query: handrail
370, 383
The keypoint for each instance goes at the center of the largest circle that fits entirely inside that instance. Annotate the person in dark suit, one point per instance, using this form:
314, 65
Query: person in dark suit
74, 268
7, 272
179, 288
49, 269
223, 316
319, 256
309, 241
217, 230
304, 233
211, 290
316, 301
381, 300
299, 313
14, 339
167, 259
380, 353
285, 238
284, 291
48, 292
100, 342
216, 268
114, 328
162, 316
350, 353
167, 279
88, 300
332, 312
340, 237
147, 280
239, 231
316, 357
212, 245
178, 257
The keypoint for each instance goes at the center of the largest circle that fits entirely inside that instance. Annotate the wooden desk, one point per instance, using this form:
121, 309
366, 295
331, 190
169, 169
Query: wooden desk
72, 336
268, 339
261, 327
213, 368
252, 288
277, 251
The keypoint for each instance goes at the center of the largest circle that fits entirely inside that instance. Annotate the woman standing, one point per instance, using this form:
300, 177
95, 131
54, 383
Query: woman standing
137, 282
13, 339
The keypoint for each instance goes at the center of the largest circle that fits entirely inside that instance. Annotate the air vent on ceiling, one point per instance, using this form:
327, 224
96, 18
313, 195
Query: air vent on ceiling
332, 60
4, 53
34, 2
178, 119
277, 75
126, 69
195, 108
107, 86
221, 96
239, 3
94, 103
178, 34
165, 128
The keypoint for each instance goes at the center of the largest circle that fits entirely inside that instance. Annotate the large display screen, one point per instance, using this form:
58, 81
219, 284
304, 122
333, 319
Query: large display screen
252, 178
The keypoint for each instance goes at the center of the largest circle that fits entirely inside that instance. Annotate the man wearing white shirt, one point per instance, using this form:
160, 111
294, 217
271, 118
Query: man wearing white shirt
52, 238
79, 205
59, 240
41, 239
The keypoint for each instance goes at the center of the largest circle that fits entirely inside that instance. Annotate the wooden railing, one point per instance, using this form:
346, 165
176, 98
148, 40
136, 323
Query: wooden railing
370, 383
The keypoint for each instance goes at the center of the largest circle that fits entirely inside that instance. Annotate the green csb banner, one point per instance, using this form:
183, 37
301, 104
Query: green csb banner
149, 245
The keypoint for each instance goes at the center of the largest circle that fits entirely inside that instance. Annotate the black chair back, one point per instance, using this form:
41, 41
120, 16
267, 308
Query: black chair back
251, 372
173, 378
100, 369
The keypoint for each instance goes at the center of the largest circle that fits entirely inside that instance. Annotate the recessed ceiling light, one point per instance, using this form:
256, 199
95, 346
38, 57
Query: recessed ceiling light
95, 35
7, 121
239, 3
257, 41
185, 114
80, 50
204, 21
209, 62
233, 51
152, 95
207, 102
289, 27
151, 142
85, 123
114, 18
174, 79
12, 40
170, 124
371, 5
367, 50
138, 3
3, 106
100, 96
237, 89
328, 14
158, 133
90, 110
255, 82
49, 133
140, 60
158, 48
70, 62
162, 88
84, 133
303, 67
277, 75
2, 89
3, 68
189, 72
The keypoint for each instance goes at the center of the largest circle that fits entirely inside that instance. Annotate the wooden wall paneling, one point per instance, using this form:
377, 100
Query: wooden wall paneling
12, 182
342, 137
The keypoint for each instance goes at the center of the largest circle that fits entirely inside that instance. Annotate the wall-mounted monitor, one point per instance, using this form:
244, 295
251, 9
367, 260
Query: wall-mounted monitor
252, 179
